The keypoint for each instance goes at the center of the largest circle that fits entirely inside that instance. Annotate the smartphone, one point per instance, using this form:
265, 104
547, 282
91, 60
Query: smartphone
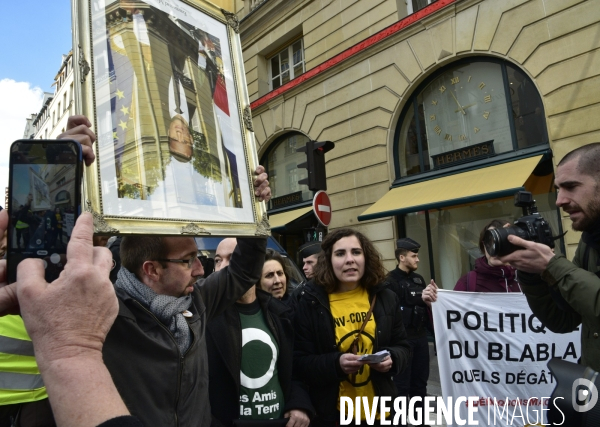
44, 191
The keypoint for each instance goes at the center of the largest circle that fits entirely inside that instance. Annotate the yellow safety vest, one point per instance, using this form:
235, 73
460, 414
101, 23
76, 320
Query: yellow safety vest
21, 225
20, 379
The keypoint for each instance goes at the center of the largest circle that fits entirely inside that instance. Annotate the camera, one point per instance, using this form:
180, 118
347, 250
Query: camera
531, 226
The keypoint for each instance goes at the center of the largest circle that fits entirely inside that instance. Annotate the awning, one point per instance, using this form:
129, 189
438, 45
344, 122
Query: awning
284, 218
473, 186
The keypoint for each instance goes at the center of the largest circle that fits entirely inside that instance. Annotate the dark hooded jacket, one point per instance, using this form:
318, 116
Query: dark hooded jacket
489, 278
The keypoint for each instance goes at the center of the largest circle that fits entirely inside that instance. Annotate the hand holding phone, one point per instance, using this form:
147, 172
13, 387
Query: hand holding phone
44, 202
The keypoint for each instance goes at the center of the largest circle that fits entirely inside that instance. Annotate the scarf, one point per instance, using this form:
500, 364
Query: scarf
166, 308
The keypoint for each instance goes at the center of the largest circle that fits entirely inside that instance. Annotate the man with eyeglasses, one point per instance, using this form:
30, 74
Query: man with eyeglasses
156, 349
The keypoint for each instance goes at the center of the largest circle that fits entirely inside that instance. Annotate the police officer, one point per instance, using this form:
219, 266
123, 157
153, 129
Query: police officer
409, 286
309, 254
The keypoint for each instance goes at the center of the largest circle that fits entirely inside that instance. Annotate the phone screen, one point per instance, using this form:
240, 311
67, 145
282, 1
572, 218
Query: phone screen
44, 202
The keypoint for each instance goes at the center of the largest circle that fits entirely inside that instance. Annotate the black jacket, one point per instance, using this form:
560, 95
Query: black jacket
224, 336
409, 288
159, 385
316, 356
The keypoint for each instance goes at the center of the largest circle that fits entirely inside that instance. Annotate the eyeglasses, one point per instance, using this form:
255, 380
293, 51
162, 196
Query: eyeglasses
189, 262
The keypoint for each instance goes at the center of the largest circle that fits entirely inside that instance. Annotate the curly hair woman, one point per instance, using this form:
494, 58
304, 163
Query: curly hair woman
345, 312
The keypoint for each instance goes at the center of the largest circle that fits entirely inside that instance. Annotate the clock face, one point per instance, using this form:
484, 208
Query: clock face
466, 105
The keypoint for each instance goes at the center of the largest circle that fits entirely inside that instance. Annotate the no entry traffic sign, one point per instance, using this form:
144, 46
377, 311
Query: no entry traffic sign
322, 207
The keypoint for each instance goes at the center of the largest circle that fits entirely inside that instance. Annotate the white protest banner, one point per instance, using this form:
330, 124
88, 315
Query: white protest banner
491, 346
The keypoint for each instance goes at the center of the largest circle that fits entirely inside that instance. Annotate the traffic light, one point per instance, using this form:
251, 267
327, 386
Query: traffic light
315, 164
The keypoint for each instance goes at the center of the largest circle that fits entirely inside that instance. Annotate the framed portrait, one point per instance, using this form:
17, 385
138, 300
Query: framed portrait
163, 83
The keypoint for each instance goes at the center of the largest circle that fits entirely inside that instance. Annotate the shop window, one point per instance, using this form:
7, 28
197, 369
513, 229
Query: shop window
455, 234
286, 64
474, 109
62, 197
281, 161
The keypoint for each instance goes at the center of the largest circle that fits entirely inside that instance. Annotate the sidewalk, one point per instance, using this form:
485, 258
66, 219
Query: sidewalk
434, 388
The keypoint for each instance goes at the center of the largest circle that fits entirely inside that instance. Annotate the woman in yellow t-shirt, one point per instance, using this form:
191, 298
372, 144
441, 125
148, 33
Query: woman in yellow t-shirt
334, 328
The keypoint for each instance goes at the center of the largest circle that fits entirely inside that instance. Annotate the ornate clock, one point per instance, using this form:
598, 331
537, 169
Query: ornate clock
466, 105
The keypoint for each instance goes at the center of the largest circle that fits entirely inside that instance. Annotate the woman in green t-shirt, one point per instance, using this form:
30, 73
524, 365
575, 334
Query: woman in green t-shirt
334, 328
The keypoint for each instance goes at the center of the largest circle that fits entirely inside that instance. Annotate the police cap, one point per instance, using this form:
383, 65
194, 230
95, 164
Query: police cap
308, 249
408, 244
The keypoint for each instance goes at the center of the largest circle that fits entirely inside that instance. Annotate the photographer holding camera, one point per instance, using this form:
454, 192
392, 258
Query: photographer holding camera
550, 280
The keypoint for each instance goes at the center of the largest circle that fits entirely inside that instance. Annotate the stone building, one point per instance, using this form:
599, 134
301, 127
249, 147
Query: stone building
51, 120
440, 111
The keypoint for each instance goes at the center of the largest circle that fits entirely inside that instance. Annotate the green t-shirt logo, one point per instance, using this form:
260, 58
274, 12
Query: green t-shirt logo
261, 396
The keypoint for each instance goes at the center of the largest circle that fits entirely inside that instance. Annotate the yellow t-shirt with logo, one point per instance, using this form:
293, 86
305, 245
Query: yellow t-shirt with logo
349, 310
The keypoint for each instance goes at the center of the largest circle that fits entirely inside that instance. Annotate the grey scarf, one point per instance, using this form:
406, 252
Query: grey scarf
168, 309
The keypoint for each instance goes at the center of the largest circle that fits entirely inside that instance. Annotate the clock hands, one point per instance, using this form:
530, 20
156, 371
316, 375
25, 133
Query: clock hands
457, 103
465, 107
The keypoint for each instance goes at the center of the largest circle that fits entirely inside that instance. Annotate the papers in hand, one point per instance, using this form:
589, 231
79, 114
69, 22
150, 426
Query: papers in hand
374, 358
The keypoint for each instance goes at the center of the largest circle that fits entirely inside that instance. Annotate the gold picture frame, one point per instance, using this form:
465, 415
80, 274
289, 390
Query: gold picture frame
162, 82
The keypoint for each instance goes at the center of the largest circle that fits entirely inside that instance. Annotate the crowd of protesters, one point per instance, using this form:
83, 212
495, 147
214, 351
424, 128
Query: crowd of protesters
163, 345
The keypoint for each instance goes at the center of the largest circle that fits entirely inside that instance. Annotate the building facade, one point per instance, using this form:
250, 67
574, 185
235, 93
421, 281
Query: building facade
49, 123
440, 112
51, 120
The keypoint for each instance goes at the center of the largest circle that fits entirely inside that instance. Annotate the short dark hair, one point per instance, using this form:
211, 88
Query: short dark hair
374, 271
272, 255
402, 251
588, 159
496, 223
135, 250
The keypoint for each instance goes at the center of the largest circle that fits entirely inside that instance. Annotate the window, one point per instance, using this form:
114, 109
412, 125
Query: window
282, 161
280, 71
455, 233
463, 107
414, 5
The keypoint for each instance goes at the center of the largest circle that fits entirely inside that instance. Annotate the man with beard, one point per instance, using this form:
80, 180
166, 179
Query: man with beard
546, 277
409, 286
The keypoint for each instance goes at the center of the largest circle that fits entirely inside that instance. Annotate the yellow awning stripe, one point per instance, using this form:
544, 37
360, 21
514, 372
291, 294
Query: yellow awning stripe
481, 184
281, 219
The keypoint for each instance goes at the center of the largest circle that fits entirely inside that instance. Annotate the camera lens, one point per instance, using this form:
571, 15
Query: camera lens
496, 240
